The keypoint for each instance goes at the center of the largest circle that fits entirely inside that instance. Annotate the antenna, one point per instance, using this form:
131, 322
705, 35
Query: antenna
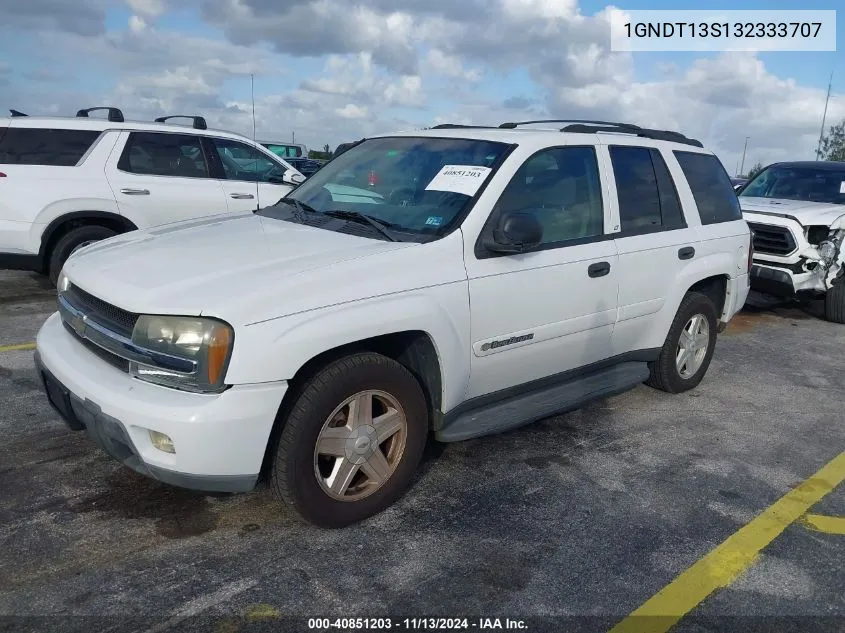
824, 116
252, 94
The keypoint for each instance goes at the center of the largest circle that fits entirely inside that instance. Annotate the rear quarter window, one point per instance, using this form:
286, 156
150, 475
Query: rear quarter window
45, 146
711, 187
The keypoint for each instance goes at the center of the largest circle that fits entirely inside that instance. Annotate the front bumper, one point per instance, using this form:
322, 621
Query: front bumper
220, 439
772, 281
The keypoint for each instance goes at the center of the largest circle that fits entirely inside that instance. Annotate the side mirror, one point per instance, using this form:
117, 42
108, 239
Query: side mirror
291, 177
516, 232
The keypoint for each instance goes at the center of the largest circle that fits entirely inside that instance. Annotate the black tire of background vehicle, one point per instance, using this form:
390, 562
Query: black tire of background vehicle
834, 302
69, 241
664, 371
292, 475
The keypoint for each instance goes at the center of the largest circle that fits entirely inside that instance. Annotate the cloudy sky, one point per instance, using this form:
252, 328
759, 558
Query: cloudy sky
335, 70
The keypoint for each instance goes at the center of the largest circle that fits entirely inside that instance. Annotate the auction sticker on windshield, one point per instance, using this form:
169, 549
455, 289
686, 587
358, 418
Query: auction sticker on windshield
842, 187
465, 179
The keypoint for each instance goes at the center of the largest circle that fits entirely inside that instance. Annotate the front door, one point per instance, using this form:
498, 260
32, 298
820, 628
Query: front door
544, 312
251, 179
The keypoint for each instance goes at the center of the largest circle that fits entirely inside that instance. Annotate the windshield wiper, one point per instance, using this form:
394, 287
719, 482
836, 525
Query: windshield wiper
356, 216
299, 206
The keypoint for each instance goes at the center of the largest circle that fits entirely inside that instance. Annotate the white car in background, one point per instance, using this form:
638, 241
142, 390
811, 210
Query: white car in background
797, 213
66, 182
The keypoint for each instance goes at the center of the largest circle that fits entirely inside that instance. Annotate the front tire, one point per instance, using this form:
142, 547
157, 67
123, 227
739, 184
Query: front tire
71, 241
689, 346
352, 440
834, 302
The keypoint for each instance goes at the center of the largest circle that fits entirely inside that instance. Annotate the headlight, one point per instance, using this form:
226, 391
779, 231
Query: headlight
62, 283
188, 353
827, 251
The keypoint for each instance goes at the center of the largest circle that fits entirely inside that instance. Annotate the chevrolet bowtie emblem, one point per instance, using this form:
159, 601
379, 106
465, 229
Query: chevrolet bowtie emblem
78, 324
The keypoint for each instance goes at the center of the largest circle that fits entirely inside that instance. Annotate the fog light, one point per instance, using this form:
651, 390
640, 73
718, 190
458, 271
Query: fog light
162, 442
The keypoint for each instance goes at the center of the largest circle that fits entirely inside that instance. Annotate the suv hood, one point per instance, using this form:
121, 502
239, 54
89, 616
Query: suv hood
241, 268
807, 213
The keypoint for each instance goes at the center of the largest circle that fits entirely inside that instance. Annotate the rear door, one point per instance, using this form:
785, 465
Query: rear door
250, 178
163, 177
41, 165
654, 241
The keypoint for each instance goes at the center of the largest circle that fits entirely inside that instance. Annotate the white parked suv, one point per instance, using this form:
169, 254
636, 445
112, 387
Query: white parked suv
797, 214
492, 277
69, 181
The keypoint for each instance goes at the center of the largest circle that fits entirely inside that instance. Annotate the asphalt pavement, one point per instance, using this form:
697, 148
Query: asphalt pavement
571, 523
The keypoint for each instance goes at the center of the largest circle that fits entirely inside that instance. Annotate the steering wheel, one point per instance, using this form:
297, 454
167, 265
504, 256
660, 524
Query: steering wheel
402, 196
323, 199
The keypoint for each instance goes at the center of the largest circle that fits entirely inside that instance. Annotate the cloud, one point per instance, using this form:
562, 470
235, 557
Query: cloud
323, 27
403, 64
148, 8
83, 18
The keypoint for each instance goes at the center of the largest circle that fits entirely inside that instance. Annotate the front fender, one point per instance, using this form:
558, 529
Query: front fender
278, 348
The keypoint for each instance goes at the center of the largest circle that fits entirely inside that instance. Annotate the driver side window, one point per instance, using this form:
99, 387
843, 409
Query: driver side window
245, 163
561, 187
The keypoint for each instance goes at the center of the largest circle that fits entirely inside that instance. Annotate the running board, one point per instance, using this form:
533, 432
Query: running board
504, 415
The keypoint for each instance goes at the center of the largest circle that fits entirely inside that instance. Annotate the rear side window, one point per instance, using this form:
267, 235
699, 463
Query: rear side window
285, 151
647, 197
159, 154
45, 146
711, 187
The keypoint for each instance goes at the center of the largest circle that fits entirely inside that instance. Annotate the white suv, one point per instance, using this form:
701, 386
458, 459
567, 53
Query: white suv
482, 279
66, 182
797, 214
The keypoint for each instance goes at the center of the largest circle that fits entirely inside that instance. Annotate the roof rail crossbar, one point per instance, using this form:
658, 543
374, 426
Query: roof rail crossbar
658, 135
197, 122
459, 126
17, 112
515, 124
115, 115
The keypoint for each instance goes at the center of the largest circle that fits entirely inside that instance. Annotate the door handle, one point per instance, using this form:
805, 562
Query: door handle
241, 196
135, 192
687, 252
599, 269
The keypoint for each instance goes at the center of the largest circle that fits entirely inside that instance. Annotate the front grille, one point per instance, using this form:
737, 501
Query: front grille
771, 239
118, 320
115, 361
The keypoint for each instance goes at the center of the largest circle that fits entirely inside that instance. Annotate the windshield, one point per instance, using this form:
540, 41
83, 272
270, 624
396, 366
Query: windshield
812, 184
414, 185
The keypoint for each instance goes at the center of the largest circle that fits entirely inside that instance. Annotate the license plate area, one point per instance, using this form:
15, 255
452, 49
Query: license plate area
59, 399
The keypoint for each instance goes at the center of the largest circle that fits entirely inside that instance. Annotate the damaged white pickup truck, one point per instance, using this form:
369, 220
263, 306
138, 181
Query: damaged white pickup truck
797, 214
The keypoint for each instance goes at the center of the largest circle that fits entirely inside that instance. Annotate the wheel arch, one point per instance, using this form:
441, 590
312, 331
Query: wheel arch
413, 349
68, 221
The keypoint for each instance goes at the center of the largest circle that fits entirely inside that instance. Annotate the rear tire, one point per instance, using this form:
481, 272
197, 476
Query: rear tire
72, 240
834, 302
323, 437
696, 322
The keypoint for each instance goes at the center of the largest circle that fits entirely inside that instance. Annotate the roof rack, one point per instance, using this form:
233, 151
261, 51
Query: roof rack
584, 126
115, 115
514, 125
458, 126
198, 122
17, 112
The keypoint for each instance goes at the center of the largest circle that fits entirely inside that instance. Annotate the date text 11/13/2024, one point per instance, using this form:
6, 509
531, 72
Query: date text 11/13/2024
429, 624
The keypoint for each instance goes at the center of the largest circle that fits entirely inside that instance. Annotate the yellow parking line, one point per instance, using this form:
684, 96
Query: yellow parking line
17, 348
732, 557
826, 524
